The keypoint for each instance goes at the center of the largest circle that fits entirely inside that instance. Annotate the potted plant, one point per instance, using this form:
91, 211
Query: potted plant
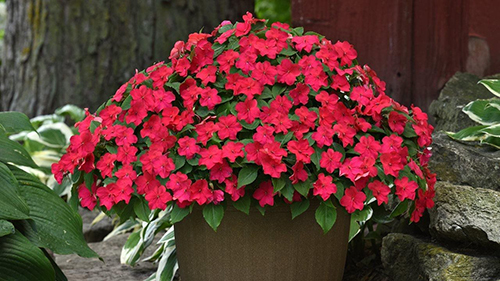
256, 119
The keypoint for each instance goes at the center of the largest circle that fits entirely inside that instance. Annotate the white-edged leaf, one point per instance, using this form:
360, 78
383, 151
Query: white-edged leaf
493, 85
354, 229
468, 134
484, 112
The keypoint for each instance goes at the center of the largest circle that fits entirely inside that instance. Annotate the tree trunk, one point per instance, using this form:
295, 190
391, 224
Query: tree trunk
75, 51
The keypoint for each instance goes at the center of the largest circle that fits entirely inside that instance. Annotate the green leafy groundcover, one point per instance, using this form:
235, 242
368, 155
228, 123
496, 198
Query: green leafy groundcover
32, 217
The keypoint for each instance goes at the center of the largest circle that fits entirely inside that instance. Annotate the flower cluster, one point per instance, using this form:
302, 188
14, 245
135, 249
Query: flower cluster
251, 114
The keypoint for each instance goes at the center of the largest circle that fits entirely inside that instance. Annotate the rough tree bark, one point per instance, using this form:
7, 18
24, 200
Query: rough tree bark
80, 51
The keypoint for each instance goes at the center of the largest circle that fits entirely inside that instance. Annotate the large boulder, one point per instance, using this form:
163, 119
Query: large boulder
408, 258
466, 214
446, 111
465, 163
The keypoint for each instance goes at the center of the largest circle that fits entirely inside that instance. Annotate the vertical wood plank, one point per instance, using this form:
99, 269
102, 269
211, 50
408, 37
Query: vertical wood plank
381, 32
440, 37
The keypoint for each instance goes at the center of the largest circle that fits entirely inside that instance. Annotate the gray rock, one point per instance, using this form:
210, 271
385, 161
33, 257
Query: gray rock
83, 269
465, 163
466, 214
446, 111
408, 258
96, 232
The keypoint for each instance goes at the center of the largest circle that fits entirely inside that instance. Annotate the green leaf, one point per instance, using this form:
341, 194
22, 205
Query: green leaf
12, 205
52, 135
59, 228
6, 228
179, 161
11, 151
213, 215
278, 184
178, 214
363, 215
409, 132
141, 209
326, 215
400, 208
288, 52
127, 101
20, 260
74, 112
493, 85
298, 31
243, 204
484, 112
354, 229
303, 187
15, 122
316, 157
288, 190
299, 207
493, 141
468, 134
252, 126
247, 175
278, 89
58, 272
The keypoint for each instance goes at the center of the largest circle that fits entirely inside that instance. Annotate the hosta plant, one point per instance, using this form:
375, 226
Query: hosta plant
252, 116
486, 112
32, 217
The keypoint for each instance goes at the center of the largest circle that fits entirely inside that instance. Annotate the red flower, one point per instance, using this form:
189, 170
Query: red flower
397, 122
380, 191
392, 164
265, 73
232, 150
210, 156
300, 94
210, 98
106, 164
305, 42
232, 188
247, 110
288, 72
228, 127
200, 192
88, 198
158, 197
265, 194
187, 147
220, 172
301, 149
324, 187
207, 75
353, 199
299, 174
368, 146
330, 160
405, 188
126, 154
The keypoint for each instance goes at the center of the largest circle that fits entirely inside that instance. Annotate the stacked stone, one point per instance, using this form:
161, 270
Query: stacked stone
465, 222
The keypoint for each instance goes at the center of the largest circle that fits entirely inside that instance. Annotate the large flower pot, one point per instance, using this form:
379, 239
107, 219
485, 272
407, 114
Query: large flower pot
255, 247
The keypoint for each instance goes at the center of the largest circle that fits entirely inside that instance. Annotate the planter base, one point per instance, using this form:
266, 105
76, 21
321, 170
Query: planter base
254, 247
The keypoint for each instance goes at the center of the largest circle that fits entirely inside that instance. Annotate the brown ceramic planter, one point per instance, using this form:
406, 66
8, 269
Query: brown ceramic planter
254, 247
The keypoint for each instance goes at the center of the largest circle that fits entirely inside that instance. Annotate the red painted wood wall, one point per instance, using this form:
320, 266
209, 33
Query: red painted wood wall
413, 45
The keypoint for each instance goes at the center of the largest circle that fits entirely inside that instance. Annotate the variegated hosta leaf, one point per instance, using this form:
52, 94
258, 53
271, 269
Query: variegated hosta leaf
485, 112
122, 228
468, 134
493, 85
493, 131
493, 141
